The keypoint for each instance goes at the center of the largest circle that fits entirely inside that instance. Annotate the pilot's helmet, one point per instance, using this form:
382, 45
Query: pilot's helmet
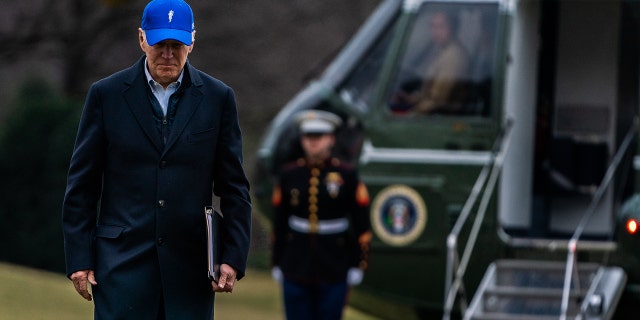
317, 122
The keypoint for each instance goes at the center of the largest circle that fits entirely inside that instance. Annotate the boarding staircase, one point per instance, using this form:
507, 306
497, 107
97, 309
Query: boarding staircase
533, 289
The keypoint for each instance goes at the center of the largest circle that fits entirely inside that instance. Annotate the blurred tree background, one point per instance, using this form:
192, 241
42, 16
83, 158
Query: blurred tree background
54, 49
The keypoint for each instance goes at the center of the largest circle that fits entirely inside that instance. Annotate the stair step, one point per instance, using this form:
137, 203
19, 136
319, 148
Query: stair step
540, 302
539, 274
505, 316
513, 291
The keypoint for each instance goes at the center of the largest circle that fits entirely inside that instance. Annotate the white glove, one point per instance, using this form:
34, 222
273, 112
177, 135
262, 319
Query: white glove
354, 276
276, 274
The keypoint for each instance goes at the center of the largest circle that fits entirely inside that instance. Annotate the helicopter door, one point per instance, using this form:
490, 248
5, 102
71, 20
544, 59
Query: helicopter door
578, 108
582, 134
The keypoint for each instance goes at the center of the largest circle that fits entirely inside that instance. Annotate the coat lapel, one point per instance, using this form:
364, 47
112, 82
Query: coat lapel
137, 99
191, 99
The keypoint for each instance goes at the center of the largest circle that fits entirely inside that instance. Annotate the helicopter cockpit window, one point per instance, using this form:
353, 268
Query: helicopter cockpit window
446, 67
359, 88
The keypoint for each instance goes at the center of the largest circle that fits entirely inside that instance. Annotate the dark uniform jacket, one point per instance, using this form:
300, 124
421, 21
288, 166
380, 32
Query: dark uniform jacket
312, 244
134, 205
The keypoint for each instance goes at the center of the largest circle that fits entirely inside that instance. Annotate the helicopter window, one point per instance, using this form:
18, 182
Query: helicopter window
447, 63
359, 88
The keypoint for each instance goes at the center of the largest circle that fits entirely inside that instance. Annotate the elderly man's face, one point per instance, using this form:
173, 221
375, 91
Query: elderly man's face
165, 59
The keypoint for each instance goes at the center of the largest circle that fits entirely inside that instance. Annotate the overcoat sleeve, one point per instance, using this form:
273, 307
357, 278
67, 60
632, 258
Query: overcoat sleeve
80, 205
232, 186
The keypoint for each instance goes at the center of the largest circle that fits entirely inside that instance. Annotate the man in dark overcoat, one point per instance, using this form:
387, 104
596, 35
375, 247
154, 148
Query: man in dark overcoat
155, 142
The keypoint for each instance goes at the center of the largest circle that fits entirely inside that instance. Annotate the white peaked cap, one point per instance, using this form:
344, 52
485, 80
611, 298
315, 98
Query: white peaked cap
317, 121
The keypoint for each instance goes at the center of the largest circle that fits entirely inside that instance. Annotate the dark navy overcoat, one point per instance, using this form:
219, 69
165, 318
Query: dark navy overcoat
134, 205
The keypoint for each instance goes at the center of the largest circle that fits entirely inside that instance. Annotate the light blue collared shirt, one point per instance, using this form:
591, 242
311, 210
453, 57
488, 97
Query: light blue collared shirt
162, 94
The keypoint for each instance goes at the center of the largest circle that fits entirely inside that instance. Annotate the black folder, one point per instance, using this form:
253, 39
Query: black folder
214, 220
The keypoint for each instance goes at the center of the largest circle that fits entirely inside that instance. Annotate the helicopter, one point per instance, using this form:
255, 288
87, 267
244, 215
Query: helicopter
516, 200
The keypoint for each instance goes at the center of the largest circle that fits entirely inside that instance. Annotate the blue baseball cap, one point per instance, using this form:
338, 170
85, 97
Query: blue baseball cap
168, 19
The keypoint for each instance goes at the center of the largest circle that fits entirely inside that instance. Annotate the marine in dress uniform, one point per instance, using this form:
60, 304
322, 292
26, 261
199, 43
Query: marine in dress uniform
321, 227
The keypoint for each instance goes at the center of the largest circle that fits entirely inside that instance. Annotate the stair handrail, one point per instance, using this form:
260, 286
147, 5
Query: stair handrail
489, 172
572, 246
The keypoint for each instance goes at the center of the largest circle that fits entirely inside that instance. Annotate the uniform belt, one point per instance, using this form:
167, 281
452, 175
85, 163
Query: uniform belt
322, 226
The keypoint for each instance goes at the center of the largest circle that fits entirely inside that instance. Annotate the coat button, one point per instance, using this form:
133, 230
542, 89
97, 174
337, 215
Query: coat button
163, 164
161, 203
160, 241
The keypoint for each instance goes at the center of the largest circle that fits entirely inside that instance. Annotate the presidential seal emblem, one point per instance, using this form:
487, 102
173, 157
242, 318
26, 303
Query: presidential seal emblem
398, 215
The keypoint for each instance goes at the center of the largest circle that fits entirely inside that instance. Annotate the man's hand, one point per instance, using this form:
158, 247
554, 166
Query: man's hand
80, 279
226, 280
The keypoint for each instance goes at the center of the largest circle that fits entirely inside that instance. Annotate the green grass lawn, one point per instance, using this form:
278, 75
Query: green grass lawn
34, 294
